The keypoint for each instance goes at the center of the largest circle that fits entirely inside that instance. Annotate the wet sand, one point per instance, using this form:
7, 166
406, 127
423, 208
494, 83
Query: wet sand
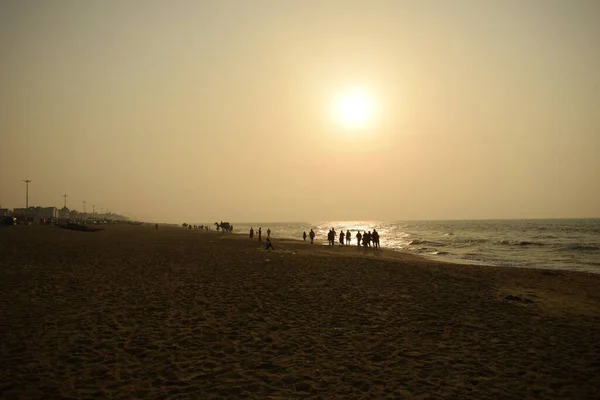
129, 312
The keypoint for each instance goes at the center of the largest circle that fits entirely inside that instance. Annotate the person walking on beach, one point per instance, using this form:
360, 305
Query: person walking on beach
342, 236
312, 236
375, 239
156, 227
304, 236
260, 233
268, 233
348, 237
268, 244
358, 238
251, 233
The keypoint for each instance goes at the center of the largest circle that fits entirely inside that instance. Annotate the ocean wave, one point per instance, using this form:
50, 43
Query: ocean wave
417, 242
593, 263
472, 257
496, 261
440, 253
521, 243
459, 245
472, 240
579, 229
580, 247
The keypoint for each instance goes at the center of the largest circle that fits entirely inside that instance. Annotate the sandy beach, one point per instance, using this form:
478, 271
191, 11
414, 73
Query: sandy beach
129, 312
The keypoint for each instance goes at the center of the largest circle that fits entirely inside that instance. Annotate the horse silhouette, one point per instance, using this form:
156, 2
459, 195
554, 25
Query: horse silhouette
224, 226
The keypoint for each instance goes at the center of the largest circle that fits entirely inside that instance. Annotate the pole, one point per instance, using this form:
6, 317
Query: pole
65, 196
84, 206
93, 209
27, 192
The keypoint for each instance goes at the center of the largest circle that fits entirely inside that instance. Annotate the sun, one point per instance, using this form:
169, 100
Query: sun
353, 109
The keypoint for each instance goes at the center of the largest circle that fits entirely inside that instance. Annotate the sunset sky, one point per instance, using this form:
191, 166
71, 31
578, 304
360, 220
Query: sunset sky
302, 110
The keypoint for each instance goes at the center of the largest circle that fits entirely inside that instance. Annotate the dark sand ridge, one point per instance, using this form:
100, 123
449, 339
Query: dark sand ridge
129, 312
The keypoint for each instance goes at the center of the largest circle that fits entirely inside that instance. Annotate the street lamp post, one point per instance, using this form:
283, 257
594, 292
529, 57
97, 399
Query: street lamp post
27, 192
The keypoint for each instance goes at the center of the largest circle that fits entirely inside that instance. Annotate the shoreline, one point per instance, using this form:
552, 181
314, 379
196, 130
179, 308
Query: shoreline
130, 312
567, 245
402, 255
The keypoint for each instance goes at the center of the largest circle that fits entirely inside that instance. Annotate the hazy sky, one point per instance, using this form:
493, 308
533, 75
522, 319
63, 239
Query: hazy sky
221, 110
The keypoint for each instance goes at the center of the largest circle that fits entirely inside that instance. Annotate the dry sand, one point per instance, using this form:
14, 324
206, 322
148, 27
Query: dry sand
134, 313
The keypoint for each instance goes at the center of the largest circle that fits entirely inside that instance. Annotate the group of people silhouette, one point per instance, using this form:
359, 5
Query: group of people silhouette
260, 233
311, 235
365, 239
268, 244
190, 226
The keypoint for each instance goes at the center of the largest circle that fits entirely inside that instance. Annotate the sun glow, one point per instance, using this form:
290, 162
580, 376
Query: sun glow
353, 109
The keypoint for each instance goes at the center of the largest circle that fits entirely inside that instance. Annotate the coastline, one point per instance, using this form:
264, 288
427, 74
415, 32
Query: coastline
544, 244
132, 312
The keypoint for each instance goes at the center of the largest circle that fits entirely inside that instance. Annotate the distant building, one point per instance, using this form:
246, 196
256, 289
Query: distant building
63, 213
36, 213
4, 212
49, 212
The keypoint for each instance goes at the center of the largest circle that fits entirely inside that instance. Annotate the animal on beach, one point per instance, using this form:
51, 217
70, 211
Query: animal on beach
224, 226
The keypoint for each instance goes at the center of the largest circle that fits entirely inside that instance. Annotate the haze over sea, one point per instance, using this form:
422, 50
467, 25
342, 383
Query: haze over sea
569, 244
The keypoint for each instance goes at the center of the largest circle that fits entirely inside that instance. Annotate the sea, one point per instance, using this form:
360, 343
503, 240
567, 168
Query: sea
560, 244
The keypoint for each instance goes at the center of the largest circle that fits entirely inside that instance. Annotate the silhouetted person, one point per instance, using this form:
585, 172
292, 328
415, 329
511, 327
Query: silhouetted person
268, 233
269, 245
342, 236
304, 235
260, 233
312, 236
375, 237
358, 238
331, 237
156, 226
251, 233
348, 238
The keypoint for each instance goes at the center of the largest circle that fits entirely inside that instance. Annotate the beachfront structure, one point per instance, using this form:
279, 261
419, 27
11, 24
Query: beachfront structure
74, 215
36, 213
4, 212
